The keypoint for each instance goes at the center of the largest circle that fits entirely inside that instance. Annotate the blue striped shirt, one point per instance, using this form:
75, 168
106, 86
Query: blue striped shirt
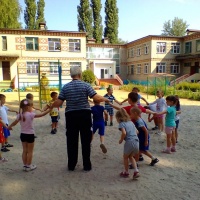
111, 98
76, 94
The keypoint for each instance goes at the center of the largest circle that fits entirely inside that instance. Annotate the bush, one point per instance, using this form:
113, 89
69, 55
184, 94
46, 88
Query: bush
194, 87
88, 76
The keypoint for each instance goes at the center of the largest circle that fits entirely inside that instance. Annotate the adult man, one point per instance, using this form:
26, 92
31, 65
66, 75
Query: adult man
78, 117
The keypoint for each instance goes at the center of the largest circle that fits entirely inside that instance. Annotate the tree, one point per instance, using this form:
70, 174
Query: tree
10, 11
88, 76
40, 13
85, 18
111, 21
121, 41
176, 27
30, 14
98, 28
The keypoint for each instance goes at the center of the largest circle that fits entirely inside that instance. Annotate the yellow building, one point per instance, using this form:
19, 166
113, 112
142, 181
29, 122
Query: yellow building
26, 50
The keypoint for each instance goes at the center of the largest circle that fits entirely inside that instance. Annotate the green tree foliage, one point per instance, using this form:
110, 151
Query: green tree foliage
30, 14
176, 27
98, 28
85, 18
111, 21
88, 76
10, 11
40, 13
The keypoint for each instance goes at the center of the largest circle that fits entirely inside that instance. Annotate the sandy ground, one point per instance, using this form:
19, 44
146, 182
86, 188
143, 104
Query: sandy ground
175, 177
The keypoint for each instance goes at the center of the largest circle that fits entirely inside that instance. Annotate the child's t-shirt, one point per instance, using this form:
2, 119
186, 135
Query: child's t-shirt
170, 116
111, 98
97, 112
55, 111
27, 125
3, 113
160, 104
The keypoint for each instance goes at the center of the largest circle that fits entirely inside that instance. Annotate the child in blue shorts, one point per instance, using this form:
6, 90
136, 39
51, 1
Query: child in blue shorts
98, 112
4, 117
143, 134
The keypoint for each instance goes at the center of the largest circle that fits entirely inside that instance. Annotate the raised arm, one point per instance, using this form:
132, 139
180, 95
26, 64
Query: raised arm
100, 98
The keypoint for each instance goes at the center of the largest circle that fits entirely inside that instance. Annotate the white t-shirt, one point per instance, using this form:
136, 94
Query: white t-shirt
3, 113
160, 104
27, 125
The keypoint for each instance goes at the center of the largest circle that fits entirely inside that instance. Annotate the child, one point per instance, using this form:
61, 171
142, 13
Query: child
4, 117
136, 90
160, 106
25, 117
98, 122
131, 145
170, 124
142, 135
54, 112
30, 97
178, 111
2, 139
109, 108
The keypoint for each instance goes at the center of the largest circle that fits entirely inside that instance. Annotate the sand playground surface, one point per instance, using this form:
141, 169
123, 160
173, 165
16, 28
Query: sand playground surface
176, 176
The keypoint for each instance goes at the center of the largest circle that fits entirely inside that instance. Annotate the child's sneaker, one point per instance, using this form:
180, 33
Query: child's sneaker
2, 160
141, 158
166, 151
103, 148
4, 149
111, 123
154, 161
8, 145
154, 128
124, 174
53, 132
173, 149
136, 175
30, 168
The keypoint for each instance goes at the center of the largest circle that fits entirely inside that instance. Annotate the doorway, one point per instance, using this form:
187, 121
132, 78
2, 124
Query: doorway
6, 70
104, 73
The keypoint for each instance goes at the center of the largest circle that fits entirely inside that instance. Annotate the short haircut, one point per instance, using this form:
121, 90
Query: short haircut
171, 98
75, 70
29, 96
53, 94
133, 97
135, 88
136, 110
109, 88
2, 96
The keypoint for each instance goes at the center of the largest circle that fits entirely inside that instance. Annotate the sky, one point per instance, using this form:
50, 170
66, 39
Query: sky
137, 18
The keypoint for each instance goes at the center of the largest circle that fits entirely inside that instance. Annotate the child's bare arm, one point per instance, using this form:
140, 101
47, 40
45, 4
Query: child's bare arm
37, 109
150, 111
13, 124
178, 112
10, 110
118, 102
42, 113
123, 135
161, 113
115, 107
145, 101
125, 100
45, 108
4, 125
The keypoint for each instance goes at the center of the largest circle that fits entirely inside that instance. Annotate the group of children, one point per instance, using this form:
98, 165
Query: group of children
25, 116
134, 129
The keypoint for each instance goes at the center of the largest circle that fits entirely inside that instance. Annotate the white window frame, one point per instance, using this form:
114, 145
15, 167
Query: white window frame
175, 47
189, 46
74, 45
73, 64
161, 47
138, 70
160, 67
4, 43
138, 51
53, 68
175, 68
32, 68
146, 68
146, 49
54, 44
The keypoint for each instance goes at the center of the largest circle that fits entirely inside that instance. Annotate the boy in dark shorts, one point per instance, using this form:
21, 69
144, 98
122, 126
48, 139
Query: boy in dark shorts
54, 112
98, 122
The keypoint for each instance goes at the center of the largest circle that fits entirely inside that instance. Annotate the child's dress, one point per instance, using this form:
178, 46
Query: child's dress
2, 139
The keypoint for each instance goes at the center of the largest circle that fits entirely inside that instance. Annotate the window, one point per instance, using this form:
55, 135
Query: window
160, 68
161, 47
53, 68
146, 68
4, 43
175, 48
117, 69
175, 68
128, 70
74, 45
138, 51
73, 64
132, 53
31, 44
54, 44
146, 49
132, 69
188, 47
187, 64
198, 45
129, 53
139, 69
32, 68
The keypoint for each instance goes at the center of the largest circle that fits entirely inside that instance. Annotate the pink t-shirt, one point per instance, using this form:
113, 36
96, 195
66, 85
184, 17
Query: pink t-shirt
27, 125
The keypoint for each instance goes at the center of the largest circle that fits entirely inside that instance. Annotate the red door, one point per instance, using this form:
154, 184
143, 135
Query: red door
6, 70
192, 70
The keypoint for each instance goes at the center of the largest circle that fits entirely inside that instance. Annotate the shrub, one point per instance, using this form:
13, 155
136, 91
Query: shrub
88, 76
